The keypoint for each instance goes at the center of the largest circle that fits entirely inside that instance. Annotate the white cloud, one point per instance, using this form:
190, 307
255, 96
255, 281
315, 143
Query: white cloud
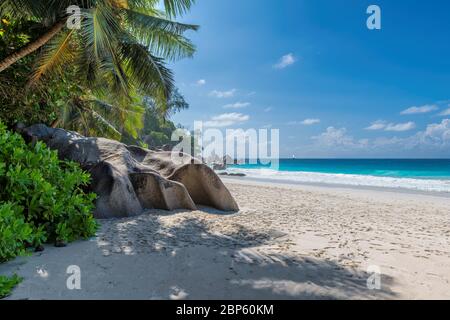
333, 137
435, 138
400, 127
397, 127
419, 110
223, 94
383, 141
310, 122
268, 109
285, 61
437, 134
200, 82
306, 122
445, 112
237, 105
363, 142
377, 125
226, 119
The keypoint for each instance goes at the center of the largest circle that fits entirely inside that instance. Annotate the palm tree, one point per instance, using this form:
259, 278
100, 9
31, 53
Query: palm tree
31, 47
93, 117
121, 46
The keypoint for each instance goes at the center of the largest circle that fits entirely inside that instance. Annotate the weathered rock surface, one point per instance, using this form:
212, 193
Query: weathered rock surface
129, 179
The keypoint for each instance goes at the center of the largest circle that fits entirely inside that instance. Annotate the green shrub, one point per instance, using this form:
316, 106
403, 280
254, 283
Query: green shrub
7, 284
41, 193
15, 233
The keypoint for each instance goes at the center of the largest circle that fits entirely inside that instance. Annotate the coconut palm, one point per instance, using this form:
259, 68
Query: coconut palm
121, 46
93, 117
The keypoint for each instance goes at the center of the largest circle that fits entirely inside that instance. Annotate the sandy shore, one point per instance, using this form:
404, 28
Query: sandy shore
287, 242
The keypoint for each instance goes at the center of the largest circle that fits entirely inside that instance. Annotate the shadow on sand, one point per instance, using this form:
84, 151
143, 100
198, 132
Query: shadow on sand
146, 257
194, 262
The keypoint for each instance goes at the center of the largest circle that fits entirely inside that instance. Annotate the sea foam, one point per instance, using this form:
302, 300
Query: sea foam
430, 185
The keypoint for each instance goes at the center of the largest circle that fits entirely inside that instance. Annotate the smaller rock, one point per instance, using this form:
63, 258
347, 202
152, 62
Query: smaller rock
60, 244
236, 174
219, 166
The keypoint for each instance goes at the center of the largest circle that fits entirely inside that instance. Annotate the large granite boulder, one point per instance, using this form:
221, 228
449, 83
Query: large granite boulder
129, 179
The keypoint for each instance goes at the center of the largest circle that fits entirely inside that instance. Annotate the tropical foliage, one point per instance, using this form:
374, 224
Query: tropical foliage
42, 198
7, 284
107, 78
157, 129
91, 79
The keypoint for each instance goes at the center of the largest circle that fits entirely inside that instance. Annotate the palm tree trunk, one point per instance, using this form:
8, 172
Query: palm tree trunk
32, 46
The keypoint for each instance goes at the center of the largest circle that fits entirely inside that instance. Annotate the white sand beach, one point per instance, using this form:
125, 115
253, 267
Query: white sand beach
287, 242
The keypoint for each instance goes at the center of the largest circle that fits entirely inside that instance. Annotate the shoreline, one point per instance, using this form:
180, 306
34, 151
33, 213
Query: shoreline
439, 185
286, 242
331, 187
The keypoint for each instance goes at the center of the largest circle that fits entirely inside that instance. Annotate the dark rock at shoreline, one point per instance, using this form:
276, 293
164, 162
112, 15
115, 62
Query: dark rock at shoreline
60, 244
231, 174
219, 166
237, 174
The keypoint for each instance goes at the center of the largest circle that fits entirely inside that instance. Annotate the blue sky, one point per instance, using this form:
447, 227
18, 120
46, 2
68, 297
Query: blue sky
313, 69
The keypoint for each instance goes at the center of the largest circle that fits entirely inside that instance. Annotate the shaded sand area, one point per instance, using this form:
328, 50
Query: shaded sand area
287, 242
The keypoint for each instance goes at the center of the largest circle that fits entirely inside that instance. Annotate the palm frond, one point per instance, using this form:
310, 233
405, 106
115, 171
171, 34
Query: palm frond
100, 31
163, 37
172, 8
147, 72
177, 7
144, 21
20, 9
81, 116
170, 46
54, 55
106, 127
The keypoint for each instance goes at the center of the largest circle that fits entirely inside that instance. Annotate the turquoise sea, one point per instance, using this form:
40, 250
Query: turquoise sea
418, 174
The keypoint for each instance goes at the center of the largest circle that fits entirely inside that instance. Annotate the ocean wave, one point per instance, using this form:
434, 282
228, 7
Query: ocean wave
431, 185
